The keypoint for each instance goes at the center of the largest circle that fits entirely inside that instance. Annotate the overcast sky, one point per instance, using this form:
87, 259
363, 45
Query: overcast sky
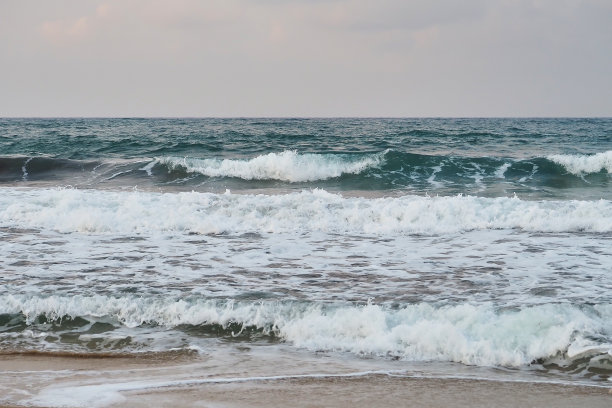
306, 58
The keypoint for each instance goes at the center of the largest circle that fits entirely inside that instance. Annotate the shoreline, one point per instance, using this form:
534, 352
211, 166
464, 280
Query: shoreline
260, 380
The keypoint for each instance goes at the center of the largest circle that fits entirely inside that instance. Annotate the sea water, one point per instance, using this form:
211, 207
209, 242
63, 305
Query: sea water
470, 244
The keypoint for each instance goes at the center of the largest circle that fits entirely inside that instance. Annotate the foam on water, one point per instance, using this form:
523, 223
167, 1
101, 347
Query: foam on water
471, 334
584, 164
388, 170
286, 166
101, 395
488, 278
499, 173
70, 210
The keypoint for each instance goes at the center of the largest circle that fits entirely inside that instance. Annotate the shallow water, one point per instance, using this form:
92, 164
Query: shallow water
481, 245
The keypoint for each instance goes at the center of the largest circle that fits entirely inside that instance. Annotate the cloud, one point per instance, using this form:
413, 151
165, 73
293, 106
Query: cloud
406, 15
302, 57
61, 31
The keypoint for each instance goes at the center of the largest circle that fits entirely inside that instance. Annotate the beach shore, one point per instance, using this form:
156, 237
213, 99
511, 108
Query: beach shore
374, 391
231, 381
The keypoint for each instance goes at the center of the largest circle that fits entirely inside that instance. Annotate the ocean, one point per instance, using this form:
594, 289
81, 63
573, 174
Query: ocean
463, 248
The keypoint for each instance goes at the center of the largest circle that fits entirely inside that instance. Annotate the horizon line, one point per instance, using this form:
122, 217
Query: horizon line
303, 117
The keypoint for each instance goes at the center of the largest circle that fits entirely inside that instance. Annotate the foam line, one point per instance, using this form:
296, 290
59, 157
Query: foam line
92, 211
286, 166
478, 335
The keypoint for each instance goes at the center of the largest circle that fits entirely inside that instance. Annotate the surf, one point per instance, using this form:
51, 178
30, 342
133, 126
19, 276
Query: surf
480, 335
96, 211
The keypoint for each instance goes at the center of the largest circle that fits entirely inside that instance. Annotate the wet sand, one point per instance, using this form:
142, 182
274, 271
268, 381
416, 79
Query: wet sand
375, 391
247, 380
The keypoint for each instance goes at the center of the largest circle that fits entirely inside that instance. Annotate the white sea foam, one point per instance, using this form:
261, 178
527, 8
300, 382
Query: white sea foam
94, 211
97, 396
432, 178
149, 167
286, 166
582, 164
470, 334
24, 168
499, 173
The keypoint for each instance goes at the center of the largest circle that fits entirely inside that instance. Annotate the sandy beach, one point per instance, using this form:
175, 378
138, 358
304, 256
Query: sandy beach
254, 380
374, 391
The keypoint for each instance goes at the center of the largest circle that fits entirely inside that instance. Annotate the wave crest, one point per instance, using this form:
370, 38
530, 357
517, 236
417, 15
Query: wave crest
464, 333
285, 166
584, 164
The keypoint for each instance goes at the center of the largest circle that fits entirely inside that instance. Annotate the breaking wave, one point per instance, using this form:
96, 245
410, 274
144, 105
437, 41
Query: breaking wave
72, 210
388, 169
479, 335
285, 166
584, 164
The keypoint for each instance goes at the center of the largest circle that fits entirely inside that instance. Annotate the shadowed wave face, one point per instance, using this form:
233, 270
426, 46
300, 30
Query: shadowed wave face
535, 158
389, 171
474, 335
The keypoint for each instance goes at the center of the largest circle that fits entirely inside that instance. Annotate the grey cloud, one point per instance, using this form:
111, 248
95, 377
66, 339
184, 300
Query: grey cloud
305, 58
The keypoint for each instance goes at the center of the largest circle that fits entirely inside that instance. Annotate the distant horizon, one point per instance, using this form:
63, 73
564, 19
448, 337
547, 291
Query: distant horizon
305, 117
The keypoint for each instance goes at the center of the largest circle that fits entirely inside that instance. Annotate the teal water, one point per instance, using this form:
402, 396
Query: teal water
534, 158
480, 243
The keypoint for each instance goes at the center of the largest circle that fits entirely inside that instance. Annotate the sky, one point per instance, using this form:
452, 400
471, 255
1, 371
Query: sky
228, 58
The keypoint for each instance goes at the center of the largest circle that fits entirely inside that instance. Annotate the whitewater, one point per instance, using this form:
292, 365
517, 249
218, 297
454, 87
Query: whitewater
72, 210
436, 247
